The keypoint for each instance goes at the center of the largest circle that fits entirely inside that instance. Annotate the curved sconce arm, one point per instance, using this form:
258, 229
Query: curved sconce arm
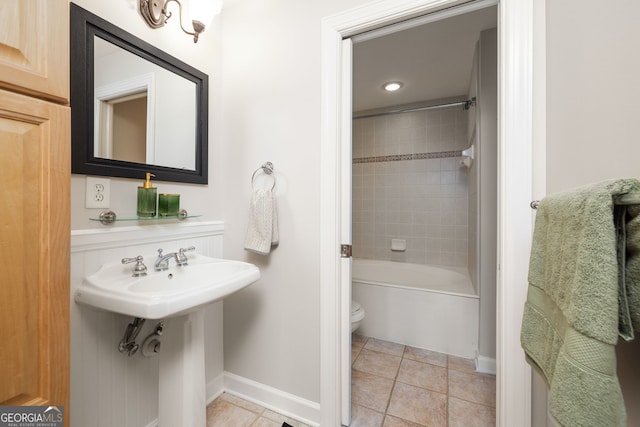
155, 14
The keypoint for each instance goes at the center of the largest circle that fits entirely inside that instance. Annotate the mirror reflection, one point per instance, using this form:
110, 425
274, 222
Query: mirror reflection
143, 113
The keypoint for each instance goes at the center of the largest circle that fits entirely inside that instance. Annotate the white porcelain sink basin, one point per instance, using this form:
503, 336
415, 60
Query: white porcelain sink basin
164, 294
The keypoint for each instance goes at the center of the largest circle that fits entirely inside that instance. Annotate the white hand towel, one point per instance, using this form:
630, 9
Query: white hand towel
275, 233
262, 229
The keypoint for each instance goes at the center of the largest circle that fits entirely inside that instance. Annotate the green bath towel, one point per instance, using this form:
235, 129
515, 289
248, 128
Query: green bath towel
577, 300
629, 261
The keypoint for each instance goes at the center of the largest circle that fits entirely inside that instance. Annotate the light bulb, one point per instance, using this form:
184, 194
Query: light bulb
392, 86
203, 11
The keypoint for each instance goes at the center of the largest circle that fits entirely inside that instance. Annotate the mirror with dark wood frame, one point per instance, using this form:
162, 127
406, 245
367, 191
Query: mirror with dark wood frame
135, 108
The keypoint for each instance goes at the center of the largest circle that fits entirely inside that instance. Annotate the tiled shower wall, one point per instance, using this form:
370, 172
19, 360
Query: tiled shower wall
408, 184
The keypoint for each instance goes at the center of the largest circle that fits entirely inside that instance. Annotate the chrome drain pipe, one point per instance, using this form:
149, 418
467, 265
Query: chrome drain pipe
128, 342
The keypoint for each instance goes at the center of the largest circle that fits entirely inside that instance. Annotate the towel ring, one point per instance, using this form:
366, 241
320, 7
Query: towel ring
267, 168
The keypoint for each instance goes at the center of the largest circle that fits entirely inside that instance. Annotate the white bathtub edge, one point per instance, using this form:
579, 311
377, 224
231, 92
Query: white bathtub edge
421, 277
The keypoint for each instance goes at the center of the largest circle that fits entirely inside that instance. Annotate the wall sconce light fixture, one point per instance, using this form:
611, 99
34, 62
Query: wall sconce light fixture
155, 14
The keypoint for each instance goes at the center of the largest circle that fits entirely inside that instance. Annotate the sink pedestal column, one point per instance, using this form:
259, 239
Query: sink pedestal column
182, 400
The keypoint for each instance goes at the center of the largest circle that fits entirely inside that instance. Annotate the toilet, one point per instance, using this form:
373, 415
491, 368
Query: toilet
357, 314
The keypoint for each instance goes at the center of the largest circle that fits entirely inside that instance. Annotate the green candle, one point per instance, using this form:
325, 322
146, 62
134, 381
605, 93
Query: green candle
168, 204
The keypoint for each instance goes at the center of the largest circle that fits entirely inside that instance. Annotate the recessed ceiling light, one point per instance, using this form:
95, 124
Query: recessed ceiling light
392, 86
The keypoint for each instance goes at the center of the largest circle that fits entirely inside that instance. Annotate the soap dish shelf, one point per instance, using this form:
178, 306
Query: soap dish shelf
109, 217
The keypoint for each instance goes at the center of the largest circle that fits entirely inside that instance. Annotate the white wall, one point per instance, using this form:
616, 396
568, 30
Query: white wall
473, 177
592, 111
488, 179
271, 96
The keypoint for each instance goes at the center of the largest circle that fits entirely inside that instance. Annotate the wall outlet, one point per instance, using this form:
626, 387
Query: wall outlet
98, 192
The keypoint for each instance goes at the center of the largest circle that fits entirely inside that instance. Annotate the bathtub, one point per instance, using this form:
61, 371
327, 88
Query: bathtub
429, 307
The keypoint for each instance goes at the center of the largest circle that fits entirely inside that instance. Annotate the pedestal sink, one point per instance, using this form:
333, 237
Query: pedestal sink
178, 295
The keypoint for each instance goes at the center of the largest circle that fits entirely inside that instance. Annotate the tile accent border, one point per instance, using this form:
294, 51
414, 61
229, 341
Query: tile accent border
399, 157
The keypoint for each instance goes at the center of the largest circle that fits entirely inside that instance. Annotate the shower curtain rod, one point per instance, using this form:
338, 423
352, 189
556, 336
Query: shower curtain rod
467, 104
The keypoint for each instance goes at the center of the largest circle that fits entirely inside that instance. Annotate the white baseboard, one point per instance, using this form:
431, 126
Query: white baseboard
289, 405
486, 365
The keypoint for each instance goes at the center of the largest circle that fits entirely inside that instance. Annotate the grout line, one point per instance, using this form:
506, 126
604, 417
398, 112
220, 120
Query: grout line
447, 369
446, 406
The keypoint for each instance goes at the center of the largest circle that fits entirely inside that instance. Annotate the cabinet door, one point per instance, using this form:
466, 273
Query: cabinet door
34, 251
34, 48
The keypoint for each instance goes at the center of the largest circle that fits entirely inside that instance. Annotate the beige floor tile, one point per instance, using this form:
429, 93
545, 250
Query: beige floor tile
423, 375
468, 414
357, 344
245, 404
425, 356
390, 421
355, 351
461, 364
370, 390
372, 362
265, 422
224, 414
418, 405
387, 347
279, 418
358, 340
473, 387
365, 417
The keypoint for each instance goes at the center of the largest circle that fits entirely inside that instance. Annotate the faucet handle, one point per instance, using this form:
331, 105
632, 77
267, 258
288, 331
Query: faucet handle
139, 269
181, 258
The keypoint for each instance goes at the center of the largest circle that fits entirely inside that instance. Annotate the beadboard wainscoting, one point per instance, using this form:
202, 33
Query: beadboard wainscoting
109, 388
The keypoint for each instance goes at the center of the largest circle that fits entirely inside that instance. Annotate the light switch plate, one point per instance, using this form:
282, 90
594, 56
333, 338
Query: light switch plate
98, 193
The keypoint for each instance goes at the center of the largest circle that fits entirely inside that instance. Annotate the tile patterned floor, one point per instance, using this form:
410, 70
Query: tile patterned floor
392, 385
231, 411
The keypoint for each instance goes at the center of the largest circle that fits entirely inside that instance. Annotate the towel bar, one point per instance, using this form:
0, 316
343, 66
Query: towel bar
623, 199
267, 168
628, 199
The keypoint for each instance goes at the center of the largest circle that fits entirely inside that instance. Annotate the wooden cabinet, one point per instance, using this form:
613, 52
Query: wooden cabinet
34, 48
34, 203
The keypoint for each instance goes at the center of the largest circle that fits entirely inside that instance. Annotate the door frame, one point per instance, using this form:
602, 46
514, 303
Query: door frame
515, 182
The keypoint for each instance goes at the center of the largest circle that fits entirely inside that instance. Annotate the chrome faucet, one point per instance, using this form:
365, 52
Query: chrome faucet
162, 262
140, 269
